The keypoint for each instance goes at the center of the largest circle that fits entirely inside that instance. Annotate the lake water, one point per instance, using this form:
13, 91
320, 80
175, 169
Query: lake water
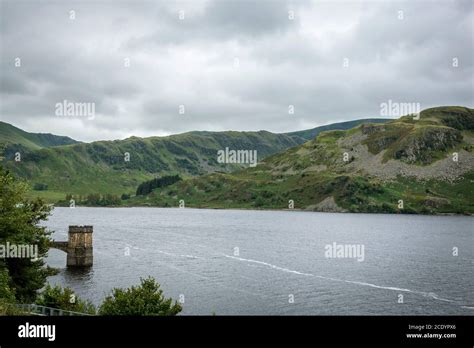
273, 262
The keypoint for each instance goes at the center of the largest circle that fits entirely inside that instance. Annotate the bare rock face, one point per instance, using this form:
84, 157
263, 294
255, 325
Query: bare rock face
422, 146
370, 129
328, 205
435, 202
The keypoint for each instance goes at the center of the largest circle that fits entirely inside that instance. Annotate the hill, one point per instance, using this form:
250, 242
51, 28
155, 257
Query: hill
404, 165
116, 167
100, 167
10, 135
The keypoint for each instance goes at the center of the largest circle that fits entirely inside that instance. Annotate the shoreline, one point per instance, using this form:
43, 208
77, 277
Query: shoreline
266, 209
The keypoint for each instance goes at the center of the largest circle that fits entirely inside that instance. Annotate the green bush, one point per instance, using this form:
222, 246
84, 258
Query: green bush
259, 202
146, 299
64, 298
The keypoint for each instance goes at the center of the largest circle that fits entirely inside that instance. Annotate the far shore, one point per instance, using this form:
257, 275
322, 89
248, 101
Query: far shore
262, 209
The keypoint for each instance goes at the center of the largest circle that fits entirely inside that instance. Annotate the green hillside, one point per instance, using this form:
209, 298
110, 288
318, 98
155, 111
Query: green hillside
10, 135
116, 167
100, 167
404, 165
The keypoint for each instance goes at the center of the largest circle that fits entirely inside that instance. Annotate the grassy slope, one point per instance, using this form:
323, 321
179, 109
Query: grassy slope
99, 167
314, 171
12, 135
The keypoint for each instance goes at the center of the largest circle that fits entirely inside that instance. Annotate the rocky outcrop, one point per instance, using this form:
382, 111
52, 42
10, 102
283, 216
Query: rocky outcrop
423, 145
328, 205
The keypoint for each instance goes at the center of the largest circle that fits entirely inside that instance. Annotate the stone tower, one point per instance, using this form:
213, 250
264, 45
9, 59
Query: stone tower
79, 246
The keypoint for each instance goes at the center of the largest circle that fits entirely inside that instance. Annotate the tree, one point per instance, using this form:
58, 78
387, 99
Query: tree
19, 219
7, 295
64, 298
148, 186
40, 187
146, 299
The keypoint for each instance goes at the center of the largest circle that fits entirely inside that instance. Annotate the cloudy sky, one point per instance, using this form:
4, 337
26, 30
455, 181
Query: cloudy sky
233, 65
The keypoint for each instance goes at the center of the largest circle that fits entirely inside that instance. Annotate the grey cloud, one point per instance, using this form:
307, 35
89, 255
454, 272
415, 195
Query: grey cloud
190, 62
220, 20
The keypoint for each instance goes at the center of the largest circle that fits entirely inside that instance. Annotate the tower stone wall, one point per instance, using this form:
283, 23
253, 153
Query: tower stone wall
79, 248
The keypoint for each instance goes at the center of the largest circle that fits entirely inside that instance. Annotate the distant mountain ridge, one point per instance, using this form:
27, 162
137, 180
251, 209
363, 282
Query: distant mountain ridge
119, 166
310, 134
10, 134
67, 166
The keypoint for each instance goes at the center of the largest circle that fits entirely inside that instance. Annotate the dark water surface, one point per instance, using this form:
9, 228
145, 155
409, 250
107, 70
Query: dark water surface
281, 257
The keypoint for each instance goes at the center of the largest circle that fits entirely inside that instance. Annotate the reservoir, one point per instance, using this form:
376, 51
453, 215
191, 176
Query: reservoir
244, 262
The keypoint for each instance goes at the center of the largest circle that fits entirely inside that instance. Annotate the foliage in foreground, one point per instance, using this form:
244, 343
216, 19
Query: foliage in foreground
146, 299
21, 278
64, 298
19, 225
7, 295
